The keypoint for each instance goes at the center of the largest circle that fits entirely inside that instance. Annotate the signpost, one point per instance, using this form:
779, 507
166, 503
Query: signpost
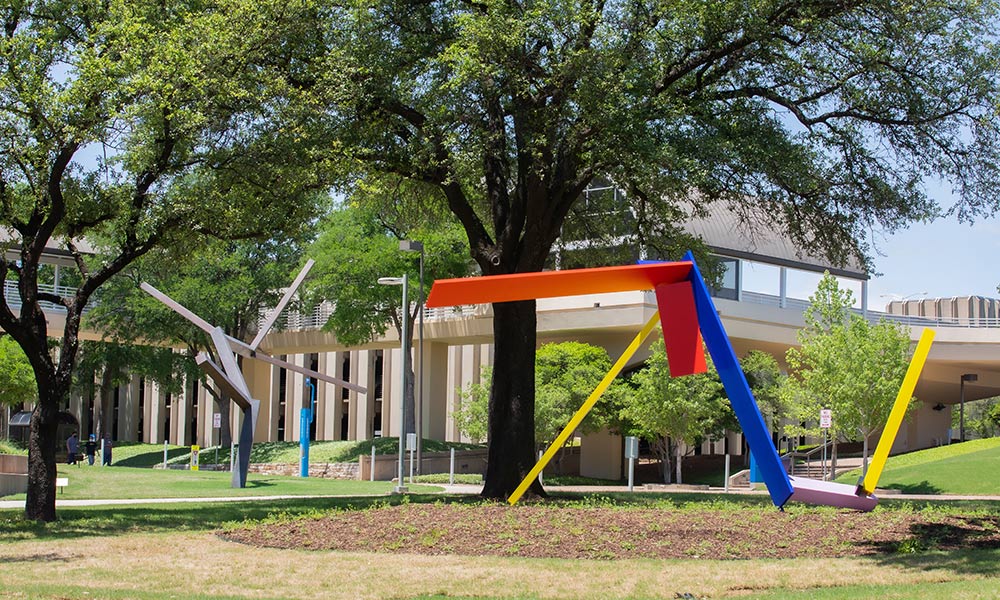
631, 453
825, 421
194, 457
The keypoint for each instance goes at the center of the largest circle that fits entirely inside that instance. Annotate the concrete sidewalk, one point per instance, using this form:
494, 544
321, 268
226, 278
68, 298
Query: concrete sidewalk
477, 489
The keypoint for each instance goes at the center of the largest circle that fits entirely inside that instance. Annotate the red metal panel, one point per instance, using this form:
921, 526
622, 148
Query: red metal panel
681, 335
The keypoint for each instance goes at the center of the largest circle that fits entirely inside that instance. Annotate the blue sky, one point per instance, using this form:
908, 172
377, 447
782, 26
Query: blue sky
935, 260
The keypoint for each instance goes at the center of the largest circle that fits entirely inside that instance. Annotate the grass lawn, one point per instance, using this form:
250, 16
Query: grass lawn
86, 482
966, 468
171, 551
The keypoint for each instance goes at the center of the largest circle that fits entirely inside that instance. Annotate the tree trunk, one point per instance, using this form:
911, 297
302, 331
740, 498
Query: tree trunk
511, 431
677, 461
40, 504
864, 457
664, 452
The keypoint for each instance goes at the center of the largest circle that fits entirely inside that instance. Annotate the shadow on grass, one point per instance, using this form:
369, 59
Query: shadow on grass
99, 521
924, 487
149, 459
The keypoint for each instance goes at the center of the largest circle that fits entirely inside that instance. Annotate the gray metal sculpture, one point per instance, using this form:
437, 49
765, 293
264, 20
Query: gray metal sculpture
229, 377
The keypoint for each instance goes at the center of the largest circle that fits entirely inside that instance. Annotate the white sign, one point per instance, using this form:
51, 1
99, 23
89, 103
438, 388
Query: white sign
217, 420
825, 418
631, 447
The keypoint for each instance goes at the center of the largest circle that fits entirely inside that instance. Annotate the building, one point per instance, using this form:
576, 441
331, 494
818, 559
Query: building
457, 344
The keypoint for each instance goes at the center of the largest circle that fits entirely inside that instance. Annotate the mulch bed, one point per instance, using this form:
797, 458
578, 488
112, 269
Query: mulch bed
540, 530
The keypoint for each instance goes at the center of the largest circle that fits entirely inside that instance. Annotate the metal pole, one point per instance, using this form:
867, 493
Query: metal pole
631, 473
164, 454
725, 484
824, 455
540, 481
451, 468
420, 357
371, 466
400, 487
961, 409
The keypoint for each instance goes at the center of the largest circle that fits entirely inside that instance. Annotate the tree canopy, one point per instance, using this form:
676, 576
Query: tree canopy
814, 118
846, 364
17, 381
129, 126
673, 412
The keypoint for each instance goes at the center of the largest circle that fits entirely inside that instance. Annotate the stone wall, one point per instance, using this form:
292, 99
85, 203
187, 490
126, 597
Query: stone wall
322, 470
13, 474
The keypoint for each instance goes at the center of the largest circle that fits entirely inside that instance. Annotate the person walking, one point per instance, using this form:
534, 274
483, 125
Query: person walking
90, 449
106, 450
72, 447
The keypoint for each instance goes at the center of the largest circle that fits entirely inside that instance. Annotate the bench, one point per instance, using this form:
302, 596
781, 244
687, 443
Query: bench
62, 482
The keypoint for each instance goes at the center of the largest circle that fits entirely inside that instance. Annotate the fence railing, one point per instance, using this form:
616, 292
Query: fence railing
321, 313
13, 298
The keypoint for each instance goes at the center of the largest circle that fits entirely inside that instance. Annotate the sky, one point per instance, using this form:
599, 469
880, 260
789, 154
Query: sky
940, 259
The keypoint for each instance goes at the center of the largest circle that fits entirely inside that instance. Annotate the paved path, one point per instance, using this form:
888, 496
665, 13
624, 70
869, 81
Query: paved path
476, 489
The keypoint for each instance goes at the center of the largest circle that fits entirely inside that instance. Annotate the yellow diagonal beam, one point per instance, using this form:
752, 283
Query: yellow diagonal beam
892, 425
584, 409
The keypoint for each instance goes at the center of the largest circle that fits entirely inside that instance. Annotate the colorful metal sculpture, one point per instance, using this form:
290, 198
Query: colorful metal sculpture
229, 377
687, 314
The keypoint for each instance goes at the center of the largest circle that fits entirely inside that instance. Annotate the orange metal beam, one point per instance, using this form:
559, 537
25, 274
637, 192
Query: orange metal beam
553, 284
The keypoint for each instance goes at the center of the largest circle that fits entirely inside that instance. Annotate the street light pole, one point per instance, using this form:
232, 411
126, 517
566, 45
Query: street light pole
405, 351
961, 403
418, 421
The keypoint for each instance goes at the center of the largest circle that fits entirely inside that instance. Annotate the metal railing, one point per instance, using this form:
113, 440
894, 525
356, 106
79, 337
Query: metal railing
321, 313
13, 298
875, 316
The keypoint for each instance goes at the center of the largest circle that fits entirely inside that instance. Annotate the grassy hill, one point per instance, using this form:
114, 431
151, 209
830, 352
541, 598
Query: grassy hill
133, 454
967, 468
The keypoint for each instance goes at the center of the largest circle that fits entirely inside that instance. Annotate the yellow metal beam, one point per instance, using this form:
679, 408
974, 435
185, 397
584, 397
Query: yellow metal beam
584, 409
892, 425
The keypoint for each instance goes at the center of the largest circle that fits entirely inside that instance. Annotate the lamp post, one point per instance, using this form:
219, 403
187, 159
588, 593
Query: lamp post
961, 403
418, 420
405, 351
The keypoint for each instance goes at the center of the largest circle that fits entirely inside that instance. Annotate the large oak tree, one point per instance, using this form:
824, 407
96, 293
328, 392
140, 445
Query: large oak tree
816, 118
132, 125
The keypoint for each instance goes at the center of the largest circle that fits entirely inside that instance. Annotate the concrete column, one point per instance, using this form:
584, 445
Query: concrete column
783, 287
452, 395
77, 408
206, 434
435, 387
295, 398
128, 411
392, 393
262, 381
329, 402
363, 405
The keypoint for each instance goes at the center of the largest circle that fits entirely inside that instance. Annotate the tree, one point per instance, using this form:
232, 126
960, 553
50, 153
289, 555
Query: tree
228, 283
765, 380
17, 382
359, 244
846, 364
672, 412
134, 126
816, 118
566, 373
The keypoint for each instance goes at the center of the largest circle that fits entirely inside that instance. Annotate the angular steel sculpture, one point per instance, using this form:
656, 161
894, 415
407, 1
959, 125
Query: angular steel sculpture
229, 377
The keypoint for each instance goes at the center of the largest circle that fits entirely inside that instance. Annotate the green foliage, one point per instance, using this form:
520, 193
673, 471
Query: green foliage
982, 418
357, 245
765, 380
846, 364
565, 375
669, 411
471, 413
17, 380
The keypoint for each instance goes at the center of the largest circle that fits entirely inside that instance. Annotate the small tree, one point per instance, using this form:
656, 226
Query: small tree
846, 364
673, 411
565, 375
359, 244
17, 380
